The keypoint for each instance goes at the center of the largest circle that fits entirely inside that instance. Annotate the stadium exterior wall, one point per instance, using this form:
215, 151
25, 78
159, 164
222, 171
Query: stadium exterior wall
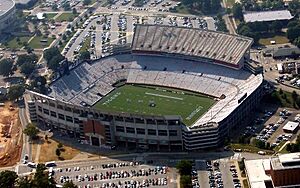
106, 129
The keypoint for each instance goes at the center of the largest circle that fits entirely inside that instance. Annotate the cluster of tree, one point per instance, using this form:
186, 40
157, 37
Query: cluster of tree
85, 55
185, 170
138, 3
27, 63
6, 67
86, 2
10, 179
294, 147
38, 84
220, 24
32, 131
66, 6
59, 149
261, 144
253, 5
237, 11
256, 29
53, 58
15, 92
206, 6
293, 32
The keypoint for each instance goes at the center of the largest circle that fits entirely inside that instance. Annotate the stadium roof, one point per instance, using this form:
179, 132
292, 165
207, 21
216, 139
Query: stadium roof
5, 5
265, 16
195, 42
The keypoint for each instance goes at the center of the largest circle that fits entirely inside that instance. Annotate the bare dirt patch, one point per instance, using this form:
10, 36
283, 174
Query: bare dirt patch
48, 148
10, 135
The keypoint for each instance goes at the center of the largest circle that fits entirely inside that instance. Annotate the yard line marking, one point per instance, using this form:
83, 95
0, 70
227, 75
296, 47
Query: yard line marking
165, 96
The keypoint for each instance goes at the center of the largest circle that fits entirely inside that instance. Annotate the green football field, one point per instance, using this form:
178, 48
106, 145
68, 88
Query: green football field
152, 100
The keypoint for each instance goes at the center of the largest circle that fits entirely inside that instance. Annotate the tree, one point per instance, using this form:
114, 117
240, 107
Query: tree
297, 42
57, 152
294, 95
294, 5
15, 92
60, 145
54, 62
69, 184
276, 26
6, 66
27, 68
31, 131
54, 7
74, 11
32, 58
85, 55
293, 32
24, 182
184, 167
8, 179
237, 11
86, 2
41, 178
186, 181
67, 6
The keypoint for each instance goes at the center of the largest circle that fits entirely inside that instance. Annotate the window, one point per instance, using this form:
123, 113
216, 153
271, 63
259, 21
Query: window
173, 132
76, 120
60, 107
120, 129
140, 131
162, 133
152, 132
53, 114
76, 111
68, 109
40, 108
51, 104
61, 116
130, 130
46, 111
69, 118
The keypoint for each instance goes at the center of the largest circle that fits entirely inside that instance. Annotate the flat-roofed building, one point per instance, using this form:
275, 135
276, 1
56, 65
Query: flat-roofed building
291, 127
277, 171
268, 16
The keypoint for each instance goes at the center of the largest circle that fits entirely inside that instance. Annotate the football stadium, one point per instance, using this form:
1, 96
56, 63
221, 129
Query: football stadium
176, 89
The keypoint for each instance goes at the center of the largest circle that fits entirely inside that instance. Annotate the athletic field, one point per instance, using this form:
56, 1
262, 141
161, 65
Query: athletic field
140, 99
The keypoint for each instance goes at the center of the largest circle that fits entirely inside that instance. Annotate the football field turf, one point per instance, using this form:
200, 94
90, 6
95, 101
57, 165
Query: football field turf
151, 100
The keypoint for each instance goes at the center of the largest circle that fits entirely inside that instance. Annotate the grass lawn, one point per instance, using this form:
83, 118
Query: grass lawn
65, 17
12, 43
279, 39
36, 43
249, 148
229, 3
156, 101
284, 98
85, 45
51, 15
182, 9
48, 152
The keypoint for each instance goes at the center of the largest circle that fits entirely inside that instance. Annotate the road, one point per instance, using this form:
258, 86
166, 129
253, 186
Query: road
26, 149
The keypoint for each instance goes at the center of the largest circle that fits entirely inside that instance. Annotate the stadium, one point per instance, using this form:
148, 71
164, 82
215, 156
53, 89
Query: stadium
176, 89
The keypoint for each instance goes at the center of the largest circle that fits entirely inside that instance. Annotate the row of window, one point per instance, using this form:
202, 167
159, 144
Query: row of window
141, 131
60, 116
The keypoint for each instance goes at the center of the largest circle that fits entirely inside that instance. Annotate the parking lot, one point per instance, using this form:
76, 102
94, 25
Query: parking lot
105, 30
114, 174
217, 173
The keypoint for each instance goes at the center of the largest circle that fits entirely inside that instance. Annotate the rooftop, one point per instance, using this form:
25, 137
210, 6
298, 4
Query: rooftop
291, 126
286, 51
224, 48
5, 5
267, 16
256, 172
291, 160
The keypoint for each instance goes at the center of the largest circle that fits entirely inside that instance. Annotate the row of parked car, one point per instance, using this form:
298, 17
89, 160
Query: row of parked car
236, 181
214, 174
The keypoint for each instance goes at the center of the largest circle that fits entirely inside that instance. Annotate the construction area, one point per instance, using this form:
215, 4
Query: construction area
11, 135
